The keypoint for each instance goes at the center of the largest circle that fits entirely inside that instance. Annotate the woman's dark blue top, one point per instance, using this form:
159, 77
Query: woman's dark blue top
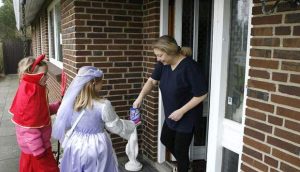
178, 87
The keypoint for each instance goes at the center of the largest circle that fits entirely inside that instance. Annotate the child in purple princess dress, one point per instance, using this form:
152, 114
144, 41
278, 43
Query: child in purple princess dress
88, 148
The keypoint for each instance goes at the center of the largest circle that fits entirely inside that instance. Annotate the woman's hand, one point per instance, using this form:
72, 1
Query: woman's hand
137, 103
176, 115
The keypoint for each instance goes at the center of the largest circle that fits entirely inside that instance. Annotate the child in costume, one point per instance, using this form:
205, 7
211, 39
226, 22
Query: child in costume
31, 116
88, 148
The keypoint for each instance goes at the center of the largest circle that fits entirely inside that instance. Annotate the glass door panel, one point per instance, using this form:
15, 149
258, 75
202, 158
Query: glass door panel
230, 46
237, 59
230, 161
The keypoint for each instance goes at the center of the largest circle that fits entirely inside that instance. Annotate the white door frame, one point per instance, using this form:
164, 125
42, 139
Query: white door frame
161, 149
217, 97
223, 132
219, 127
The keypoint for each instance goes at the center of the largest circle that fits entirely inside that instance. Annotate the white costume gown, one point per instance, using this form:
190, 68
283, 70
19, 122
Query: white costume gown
89, 149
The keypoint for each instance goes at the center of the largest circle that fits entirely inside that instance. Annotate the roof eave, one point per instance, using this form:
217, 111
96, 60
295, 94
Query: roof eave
32, 7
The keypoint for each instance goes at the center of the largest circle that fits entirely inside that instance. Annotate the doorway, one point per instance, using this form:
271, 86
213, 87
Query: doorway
189, 22
218, 32
196, 33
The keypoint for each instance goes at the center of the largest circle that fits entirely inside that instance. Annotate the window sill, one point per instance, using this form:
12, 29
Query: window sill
54, 71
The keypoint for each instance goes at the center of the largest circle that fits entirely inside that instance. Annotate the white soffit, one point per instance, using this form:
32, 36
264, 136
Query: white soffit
32, 7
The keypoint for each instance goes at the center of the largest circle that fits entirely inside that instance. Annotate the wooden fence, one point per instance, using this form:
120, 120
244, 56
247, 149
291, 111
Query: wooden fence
13, 52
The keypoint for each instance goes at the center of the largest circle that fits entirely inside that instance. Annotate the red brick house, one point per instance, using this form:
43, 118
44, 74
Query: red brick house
251, 120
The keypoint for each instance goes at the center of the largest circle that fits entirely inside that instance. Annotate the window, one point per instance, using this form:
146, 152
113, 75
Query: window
54, 34
237, 59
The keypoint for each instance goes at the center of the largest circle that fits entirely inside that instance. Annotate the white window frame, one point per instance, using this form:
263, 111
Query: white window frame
52, 59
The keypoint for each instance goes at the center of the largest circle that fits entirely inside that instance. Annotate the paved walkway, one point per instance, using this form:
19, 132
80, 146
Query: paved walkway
9, 150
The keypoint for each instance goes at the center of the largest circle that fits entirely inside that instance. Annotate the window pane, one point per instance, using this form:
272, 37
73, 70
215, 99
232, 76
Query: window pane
230, 161
237, 59
57, 33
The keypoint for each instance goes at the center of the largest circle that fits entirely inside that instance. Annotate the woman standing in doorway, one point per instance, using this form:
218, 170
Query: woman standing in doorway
183, 89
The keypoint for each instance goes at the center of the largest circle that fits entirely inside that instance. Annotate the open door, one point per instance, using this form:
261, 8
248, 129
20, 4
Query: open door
189, 22
217, 31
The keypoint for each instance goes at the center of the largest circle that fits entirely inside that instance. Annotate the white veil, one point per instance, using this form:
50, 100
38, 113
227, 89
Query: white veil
66, 109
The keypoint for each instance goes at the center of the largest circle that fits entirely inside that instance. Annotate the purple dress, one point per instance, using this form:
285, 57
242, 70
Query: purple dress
89, 148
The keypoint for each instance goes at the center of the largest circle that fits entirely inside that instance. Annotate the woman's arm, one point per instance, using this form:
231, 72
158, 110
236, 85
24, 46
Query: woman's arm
192, 103
178, 114
145, 91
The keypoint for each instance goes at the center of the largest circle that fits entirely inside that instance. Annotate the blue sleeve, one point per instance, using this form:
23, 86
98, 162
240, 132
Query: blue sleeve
157, 71
196, 80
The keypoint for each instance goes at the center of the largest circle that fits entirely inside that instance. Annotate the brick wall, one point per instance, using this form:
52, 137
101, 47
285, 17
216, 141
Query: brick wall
43, 19
150, 104
39, 36
109, 35
53, 83
36, 38
272, 125
116, 36
34, 41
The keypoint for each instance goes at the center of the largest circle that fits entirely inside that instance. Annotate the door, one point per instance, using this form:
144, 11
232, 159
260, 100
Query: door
226, 73
189, 22
196, 33
228, 94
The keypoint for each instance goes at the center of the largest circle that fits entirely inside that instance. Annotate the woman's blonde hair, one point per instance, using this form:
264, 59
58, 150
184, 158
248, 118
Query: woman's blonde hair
24, 65
86, 96
169, 45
